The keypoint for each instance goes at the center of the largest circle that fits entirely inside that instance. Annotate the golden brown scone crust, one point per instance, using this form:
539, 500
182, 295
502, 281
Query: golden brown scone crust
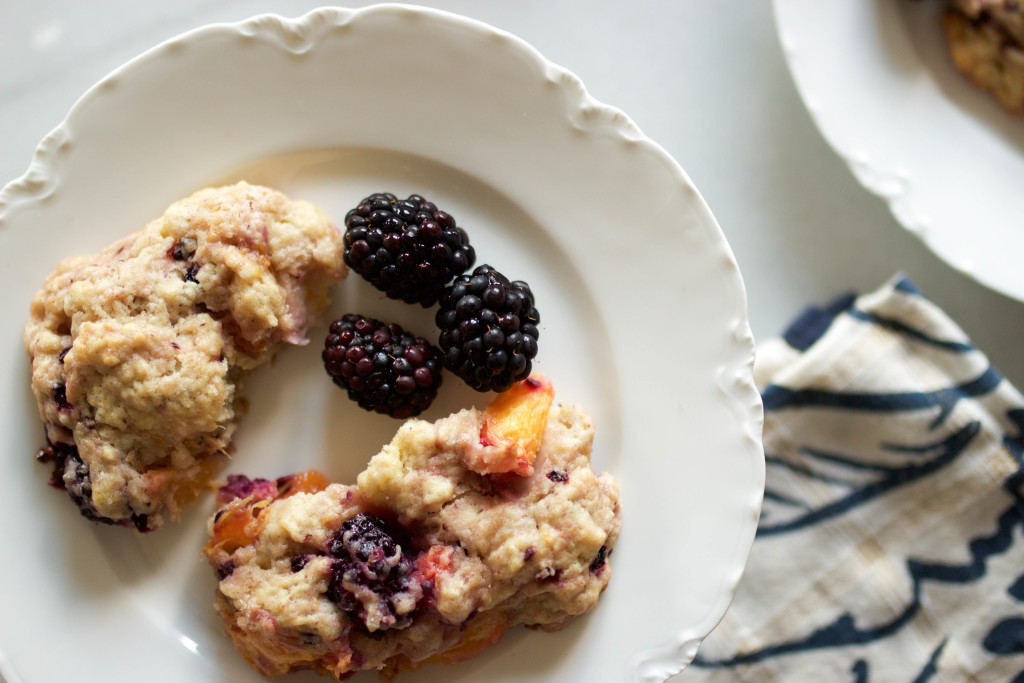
986, 39
138, 352
477, 554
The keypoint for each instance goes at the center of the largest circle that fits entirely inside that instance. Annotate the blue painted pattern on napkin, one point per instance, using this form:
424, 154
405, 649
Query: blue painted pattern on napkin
891, 541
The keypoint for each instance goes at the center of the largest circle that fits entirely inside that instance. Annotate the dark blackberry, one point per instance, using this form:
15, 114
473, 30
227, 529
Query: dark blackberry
300, 561
71, 474
383, 367
558, 476
60, 397
599, 561
488, 329
183, 249
371, 577
407, 248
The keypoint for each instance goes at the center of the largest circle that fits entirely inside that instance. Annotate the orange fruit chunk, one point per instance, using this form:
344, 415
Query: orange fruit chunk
310, 481
514, 422
236, 525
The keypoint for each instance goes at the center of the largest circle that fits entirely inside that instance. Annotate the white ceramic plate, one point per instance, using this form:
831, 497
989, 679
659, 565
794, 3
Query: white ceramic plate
644, 323
878, 80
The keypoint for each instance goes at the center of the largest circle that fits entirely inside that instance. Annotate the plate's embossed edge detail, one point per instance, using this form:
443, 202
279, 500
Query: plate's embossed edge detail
297, 36
40, 180
658, 664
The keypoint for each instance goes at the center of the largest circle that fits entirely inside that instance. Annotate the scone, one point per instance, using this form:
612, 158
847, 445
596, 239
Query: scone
425, 560
138, 352
986, 40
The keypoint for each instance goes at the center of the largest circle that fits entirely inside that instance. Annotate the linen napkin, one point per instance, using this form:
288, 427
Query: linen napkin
891, 541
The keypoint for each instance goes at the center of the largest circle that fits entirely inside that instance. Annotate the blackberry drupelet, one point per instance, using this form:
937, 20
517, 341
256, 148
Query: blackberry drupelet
384, 368
488, 329
407, 248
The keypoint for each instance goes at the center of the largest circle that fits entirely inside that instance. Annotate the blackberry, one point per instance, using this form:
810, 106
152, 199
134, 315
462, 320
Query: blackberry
488, 329
384, 368
407, 248
71, 474
371, 577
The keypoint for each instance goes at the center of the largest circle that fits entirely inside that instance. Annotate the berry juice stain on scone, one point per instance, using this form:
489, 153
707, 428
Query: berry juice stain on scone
431, 557
138, 352
407, 248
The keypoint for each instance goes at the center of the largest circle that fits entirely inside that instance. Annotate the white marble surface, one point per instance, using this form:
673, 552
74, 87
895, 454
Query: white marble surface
707, 81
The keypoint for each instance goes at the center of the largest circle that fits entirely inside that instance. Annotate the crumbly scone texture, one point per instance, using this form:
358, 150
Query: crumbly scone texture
469, 555
986, 39
138, 352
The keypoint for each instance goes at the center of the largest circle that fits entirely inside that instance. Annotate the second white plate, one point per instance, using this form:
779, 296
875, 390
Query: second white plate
878, 81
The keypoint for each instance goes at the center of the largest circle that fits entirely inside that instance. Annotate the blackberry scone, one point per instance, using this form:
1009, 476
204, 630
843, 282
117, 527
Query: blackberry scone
456, 531
986, 40
138, 353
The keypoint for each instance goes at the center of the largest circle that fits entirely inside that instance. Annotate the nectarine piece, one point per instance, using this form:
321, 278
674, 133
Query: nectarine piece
514, 422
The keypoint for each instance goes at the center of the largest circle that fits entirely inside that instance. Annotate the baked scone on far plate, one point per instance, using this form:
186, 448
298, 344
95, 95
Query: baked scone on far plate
986, 39
138, 352
456, 531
